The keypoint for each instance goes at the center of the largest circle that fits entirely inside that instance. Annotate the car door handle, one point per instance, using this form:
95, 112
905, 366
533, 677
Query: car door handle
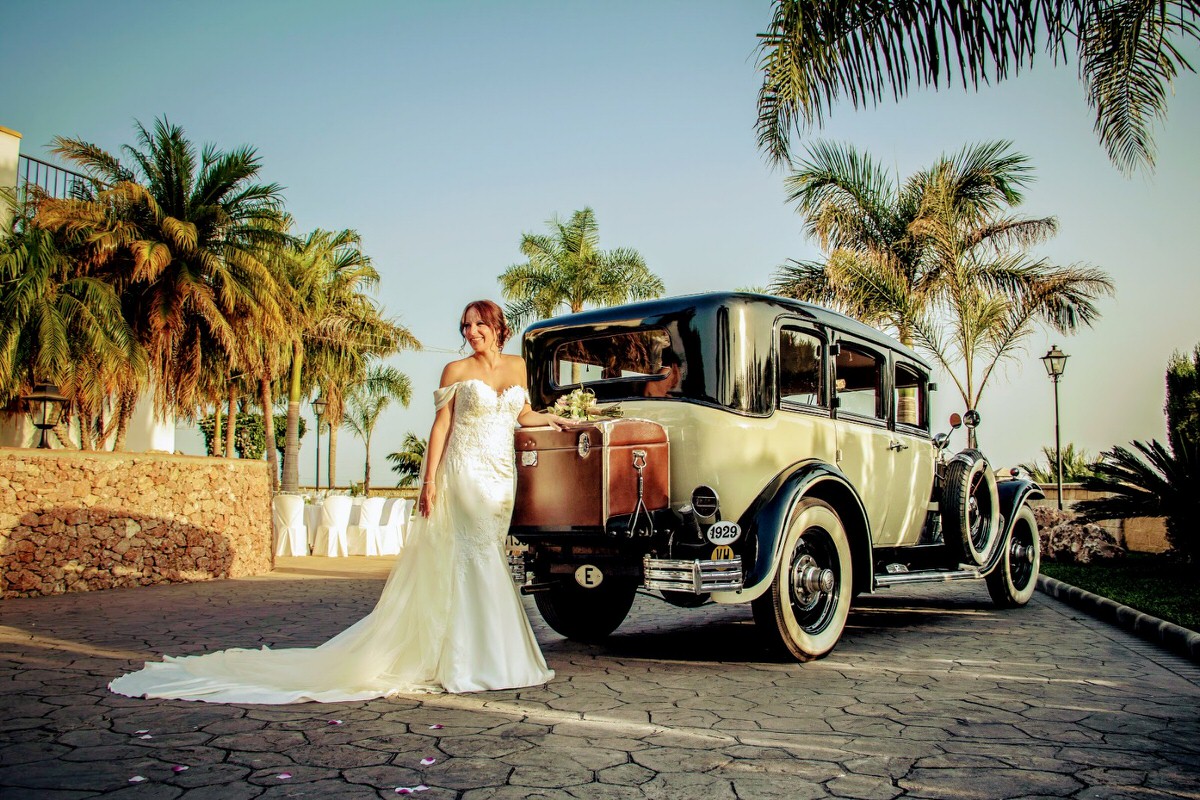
897, 446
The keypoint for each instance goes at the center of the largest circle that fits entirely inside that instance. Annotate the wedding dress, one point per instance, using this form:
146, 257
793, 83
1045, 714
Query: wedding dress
449, 619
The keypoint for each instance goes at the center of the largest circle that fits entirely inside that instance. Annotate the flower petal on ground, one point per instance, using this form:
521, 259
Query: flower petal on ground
425, 762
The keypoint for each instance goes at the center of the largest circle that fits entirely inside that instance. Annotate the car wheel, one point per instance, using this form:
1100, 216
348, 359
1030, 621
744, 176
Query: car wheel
970, 509
586, 615
805, 610
1013, 580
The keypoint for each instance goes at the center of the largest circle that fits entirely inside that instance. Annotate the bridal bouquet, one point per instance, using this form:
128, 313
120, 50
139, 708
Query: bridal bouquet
580, 404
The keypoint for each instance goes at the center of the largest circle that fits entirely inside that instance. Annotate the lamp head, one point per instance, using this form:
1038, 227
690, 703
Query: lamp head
1056, 362
46, 405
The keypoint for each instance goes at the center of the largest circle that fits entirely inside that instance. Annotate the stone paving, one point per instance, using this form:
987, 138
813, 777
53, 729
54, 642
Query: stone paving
932, 693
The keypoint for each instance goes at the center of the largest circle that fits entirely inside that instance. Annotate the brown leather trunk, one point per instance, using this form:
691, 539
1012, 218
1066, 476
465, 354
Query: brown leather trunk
565, 482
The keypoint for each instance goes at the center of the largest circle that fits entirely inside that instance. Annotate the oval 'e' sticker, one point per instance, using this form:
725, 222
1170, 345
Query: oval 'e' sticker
589, 576
724, 532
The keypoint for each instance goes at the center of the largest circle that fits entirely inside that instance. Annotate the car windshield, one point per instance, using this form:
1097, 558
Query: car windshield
643, 359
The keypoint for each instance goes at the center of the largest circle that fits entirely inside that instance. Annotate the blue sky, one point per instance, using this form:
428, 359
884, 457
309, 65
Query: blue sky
442, 131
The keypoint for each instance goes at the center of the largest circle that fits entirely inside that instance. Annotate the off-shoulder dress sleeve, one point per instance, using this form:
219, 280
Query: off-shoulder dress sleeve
443, 395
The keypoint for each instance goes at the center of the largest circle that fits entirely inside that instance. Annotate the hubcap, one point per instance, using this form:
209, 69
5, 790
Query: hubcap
809, 580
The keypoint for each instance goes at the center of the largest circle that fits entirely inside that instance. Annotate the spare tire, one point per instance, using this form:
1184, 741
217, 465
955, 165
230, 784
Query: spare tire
970, 509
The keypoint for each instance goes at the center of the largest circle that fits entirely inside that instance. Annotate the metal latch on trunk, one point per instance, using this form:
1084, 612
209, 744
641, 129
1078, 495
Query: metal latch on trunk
640, 512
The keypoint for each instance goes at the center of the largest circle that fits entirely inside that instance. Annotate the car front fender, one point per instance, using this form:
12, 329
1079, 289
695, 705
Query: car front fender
1012, 494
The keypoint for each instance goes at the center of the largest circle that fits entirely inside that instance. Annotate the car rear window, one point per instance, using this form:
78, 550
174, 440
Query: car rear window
644, 359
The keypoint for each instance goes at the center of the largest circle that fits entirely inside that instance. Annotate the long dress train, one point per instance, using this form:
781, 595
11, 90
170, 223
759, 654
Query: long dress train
449, 618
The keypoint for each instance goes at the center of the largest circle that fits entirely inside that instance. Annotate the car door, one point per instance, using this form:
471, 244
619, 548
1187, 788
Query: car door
912, 454
863, 437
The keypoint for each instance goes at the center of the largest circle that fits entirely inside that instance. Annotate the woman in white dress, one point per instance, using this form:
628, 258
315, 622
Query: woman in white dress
450, 618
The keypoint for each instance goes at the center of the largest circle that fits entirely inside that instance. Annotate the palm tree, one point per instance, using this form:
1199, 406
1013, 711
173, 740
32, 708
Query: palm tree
939, 259
1076, 465
335, 326
59, 324
367, 401
568, 268
977, 327
1152, 482
406, 462
817, 52
893, 249
271, 353
180, 234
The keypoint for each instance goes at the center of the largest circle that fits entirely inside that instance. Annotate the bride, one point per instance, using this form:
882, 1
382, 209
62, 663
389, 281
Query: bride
449, 618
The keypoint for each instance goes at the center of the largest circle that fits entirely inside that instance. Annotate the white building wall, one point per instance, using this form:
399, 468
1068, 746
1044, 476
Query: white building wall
15, 429
147, 431
10, 151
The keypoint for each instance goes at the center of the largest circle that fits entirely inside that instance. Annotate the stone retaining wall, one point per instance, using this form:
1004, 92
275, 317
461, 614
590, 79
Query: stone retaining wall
1138, 534
75, 521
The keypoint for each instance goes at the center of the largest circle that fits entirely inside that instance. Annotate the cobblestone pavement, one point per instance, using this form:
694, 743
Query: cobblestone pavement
932, 693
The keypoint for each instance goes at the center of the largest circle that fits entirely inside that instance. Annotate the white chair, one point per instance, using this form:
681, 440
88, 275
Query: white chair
331, 530
287, 518
395, 525
365, 538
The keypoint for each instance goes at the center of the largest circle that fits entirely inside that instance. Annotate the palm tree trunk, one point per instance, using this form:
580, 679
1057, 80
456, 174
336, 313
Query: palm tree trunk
231, 427
218, 438
367, 469
291, 446
126, 403
86, 425
62, 431
332, 469
264, 398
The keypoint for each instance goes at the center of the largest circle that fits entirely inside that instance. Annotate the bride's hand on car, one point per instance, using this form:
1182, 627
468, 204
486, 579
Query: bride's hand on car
563, 423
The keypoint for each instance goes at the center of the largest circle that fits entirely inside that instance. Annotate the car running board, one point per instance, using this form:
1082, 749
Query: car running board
884, 580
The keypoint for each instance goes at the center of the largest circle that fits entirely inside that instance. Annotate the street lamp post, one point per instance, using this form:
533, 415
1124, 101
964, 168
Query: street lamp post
318, 411
45, 409
1056, 364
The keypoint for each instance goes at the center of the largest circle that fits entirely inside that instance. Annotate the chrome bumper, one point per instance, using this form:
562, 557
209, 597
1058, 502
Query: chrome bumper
695, 576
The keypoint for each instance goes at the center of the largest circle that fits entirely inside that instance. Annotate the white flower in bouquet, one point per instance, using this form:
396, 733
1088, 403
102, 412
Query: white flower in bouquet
580, 404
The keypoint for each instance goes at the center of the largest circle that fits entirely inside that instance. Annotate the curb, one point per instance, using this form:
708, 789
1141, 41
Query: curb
1173, 637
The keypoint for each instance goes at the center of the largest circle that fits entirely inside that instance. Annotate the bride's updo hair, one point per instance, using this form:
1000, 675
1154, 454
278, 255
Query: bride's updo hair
492, 316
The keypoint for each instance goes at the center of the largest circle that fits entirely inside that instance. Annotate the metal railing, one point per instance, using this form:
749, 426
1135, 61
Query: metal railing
51, 180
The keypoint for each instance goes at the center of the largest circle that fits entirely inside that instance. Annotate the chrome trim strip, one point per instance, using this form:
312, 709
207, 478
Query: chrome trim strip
926, 576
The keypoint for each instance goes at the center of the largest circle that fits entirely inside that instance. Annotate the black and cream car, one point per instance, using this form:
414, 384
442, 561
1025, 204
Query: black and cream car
769, 452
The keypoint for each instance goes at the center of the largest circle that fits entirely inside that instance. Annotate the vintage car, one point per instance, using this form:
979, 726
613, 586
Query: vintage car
769, 452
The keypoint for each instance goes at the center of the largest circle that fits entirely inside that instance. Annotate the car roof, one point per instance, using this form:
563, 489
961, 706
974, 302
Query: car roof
773, 305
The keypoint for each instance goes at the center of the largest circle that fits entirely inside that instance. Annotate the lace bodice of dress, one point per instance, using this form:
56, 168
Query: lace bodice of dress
484, 420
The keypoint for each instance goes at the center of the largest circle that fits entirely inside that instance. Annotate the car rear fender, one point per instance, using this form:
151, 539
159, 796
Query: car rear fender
765, 522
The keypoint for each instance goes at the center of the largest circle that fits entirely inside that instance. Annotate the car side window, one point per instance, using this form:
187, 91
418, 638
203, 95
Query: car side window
909, 398
859, 382
801, 374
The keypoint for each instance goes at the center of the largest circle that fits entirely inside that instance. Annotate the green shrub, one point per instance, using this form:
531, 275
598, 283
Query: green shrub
249, 438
